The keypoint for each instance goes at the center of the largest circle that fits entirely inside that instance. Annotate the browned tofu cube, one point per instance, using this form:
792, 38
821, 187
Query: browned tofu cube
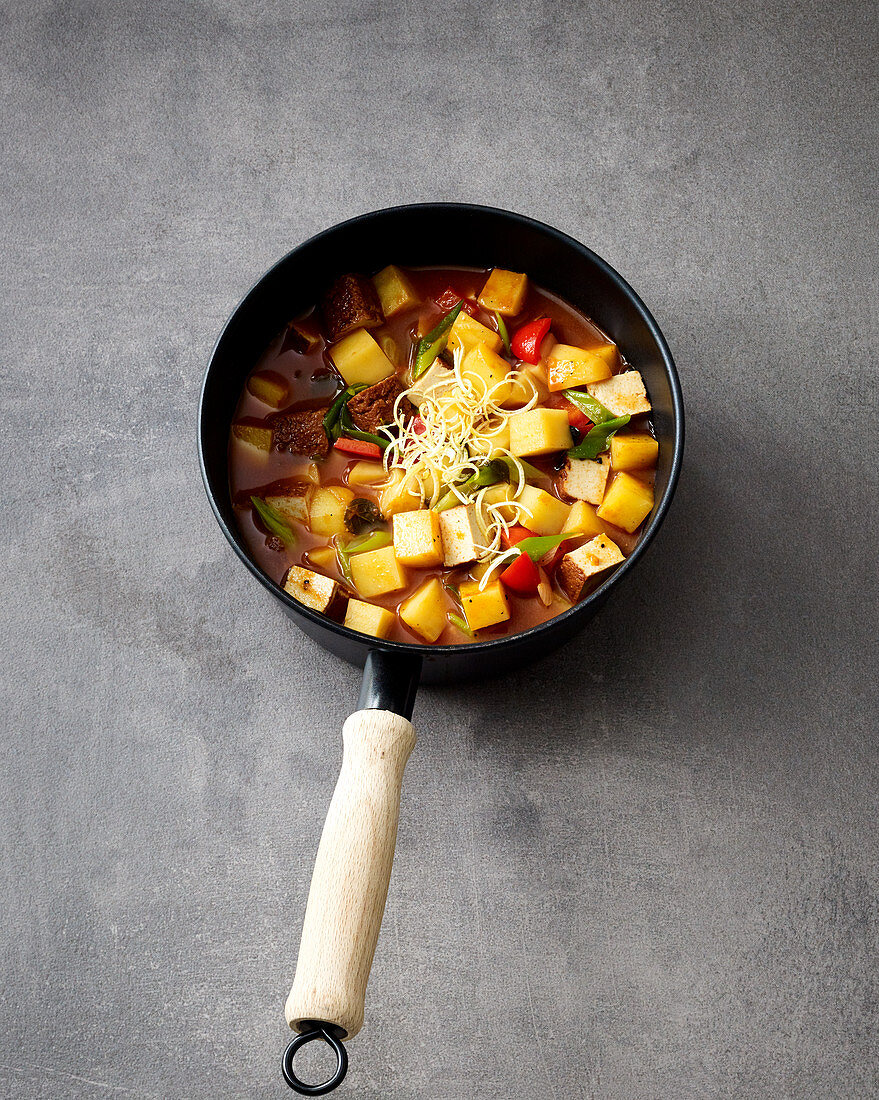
312, 589
292, 501
587, 561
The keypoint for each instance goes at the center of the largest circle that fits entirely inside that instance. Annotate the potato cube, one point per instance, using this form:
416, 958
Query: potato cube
395, 291
624, 394
633, 451
461, 534
582, 518
366, 473
436, 381
626, 502
467, 333
294, 504
417, 539
359, 359
501, 496
491, 442
539, 432
377, 572
401, 494
485, 608
584, 479
528, 381
544, 514
326, 513
269, 387
425, 611
486, 372
254, 435
312, 589
567, 367
576, 567
324, 557
504, 292
369, 618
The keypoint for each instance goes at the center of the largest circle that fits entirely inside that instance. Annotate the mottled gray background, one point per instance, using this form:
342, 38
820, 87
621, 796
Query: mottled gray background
644, 868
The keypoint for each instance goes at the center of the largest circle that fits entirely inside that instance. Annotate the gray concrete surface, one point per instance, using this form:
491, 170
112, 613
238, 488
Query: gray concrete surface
646, 868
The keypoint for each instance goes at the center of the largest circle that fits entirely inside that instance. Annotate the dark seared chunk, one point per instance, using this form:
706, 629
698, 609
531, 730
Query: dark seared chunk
374, 406
350, 303
301, 433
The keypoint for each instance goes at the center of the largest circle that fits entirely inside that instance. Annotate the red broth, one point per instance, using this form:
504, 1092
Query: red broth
312, 382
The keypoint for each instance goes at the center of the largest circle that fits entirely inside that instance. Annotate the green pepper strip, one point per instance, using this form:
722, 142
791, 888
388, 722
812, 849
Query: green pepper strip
375, 540
334, 412
434, 342
502, 332
489, 474
348, 429
457, 621
598, 439
587, 404
273, 520
527, 469
540, 545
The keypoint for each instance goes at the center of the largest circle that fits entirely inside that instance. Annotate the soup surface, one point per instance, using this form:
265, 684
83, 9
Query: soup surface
441, 455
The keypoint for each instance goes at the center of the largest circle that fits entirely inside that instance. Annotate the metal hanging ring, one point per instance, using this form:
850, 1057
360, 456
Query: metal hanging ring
317, 1031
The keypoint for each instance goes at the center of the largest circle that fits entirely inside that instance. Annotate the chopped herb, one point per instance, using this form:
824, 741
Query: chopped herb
273, 521
502, 332
362, 513
430, 346
598, 439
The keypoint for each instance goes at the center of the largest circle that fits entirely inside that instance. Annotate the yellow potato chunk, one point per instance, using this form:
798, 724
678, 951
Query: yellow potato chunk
545, 514
254, 436
324, 557
486, 372
626, 502
369, 618
425, 611
501, 495
312, 589
467, 333
504, 292
582, 518
326, 513
634, 451
359, 359
417, 539
486, 608
529, 382
401, 494
539, 432
394, 289
491, 442
366, 473
269, 388
577, 567
377, 572
568, 367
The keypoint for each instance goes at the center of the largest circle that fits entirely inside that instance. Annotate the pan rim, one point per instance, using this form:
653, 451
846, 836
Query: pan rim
511, 641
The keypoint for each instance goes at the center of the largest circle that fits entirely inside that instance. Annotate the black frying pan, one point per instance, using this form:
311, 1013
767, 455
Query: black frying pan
353, 866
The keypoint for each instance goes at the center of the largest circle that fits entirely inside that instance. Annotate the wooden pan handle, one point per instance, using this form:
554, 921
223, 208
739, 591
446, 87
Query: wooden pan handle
349, 886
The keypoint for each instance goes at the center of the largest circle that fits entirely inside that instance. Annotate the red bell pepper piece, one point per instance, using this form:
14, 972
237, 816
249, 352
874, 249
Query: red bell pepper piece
361, 448
576, 417
527, 340
418, 426
515, 535
522, 576
450, 298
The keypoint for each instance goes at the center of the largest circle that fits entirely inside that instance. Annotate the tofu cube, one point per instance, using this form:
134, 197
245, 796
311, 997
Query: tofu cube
359, 359
582, 518
486, 608
436, 381
303, 335
366, 473
490, 442
254, 436
294, 504
395, 291
568, 366
539, 432
326, 513
544, 514
369, 618
633, 451
401, 494
504, 292
623, 395
312, 589
584, 479
417, 539
377, 572
487, 373
626, 503
578, 566
461, 533
467, 333
269, 387
425, 611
